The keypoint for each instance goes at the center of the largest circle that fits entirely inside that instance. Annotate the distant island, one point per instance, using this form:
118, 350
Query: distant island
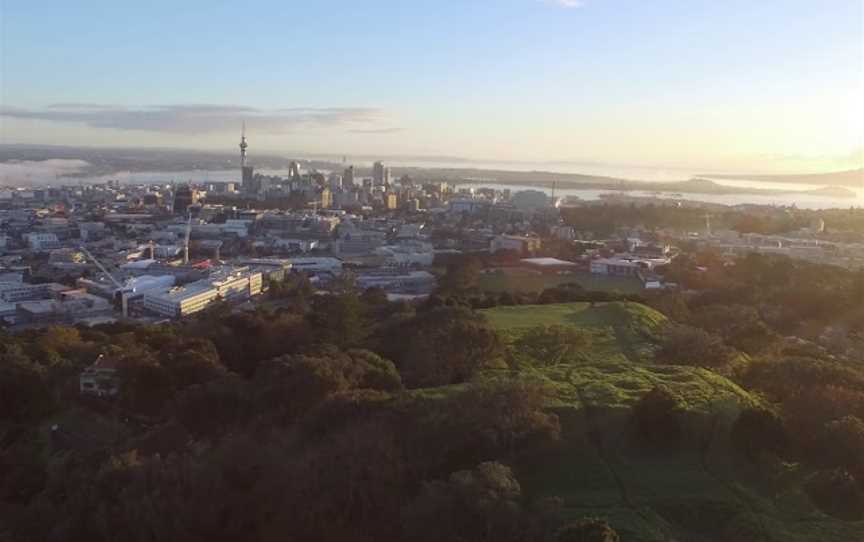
109, 161
692, 186
852, 177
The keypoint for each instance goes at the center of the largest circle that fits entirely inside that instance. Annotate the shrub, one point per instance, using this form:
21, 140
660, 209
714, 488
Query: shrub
757, 430
656, 417
551, 345
686, 345
837, 494
587, 530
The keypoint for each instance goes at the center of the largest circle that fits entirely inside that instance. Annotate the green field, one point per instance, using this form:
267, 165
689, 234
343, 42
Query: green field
619, 367
524, 281
696, 492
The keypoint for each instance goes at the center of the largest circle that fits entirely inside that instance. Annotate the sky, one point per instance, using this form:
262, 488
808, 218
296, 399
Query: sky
735, 85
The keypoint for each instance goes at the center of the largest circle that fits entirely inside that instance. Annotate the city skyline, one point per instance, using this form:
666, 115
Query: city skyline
733, 86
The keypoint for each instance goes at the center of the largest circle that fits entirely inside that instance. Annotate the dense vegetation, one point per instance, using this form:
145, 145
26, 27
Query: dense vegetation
564, 415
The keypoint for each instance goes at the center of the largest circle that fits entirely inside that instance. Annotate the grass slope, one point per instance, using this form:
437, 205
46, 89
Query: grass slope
527, 281
695, 493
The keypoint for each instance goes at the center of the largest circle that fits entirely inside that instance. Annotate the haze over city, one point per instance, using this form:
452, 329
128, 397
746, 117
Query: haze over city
737, 85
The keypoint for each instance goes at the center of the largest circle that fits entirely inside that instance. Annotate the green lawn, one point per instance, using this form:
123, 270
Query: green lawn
693, 492
515, 281
579, 314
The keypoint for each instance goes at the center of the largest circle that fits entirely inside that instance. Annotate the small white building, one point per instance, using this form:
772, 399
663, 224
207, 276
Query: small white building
100, 378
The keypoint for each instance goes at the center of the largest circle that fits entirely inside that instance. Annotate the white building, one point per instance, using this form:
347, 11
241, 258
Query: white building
13, 292
411, 282
408, 253
177, 302
317, 265
180, 301
41, 241
615, 267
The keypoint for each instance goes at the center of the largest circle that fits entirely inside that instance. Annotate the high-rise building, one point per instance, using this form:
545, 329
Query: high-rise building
294, 171
326, 200
248, 176
184, 196
348, 177
391, 201
378, 172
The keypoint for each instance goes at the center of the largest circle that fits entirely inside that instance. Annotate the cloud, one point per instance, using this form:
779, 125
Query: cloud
375, 130
565, 3
201, 118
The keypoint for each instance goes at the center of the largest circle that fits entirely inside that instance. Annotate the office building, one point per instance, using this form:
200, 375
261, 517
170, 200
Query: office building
348, 177
184, 197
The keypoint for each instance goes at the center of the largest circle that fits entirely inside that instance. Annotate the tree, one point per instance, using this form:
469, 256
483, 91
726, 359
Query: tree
339, 319
482, 504
24, 394
686, 345
191, 361
657, 418
445, 345
461, 277
503, 417
211, 409
844, 444
587, 530
291, 386
551, 345
758, 430
837, 493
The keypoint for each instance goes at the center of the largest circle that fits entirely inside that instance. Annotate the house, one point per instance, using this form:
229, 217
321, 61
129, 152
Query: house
523, 244
100, 378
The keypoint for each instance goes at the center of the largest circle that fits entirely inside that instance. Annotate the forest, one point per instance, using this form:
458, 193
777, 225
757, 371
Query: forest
347, 417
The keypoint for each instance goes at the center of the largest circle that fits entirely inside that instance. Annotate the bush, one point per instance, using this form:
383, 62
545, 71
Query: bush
686, 345
482, 504
837, 493
656, 417
757, 430
844, 442
551, 345
587, 530
441, 346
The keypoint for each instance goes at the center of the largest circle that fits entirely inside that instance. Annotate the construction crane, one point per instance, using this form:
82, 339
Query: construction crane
186, 242
123, 290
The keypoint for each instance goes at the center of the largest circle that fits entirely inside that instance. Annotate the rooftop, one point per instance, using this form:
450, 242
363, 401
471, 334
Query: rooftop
548, 262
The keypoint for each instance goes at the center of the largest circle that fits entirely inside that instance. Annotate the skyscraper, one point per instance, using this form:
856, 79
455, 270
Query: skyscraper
378, 172
348, 177
184, 197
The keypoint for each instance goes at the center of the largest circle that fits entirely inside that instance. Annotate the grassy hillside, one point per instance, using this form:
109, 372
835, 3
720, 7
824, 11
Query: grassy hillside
526, 281
696, 492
